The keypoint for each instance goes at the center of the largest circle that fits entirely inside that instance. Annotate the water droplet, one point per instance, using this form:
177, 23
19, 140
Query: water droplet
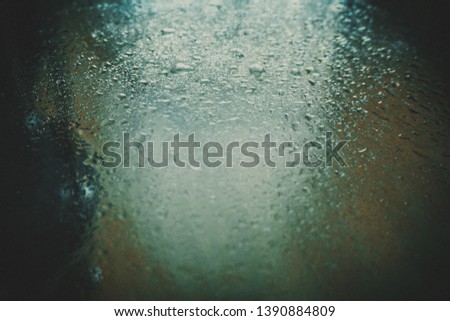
237, 52
167, 31
296, 126
180, 67
256, 69
296, 71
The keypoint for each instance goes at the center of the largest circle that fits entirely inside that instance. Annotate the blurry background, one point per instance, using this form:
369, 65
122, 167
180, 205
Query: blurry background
43, 239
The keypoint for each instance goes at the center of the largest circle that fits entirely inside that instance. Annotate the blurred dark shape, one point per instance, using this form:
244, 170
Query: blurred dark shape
34, 245
425, 24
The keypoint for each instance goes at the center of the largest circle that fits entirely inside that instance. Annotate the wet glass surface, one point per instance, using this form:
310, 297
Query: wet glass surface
231, 70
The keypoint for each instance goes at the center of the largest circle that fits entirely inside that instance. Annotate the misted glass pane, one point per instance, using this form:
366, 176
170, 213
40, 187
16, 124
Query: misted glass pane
90, 217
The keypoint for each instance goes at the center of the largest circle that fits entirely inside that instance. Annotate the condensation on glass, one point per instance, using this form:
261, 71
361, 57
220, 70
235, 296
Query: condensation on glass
236, 70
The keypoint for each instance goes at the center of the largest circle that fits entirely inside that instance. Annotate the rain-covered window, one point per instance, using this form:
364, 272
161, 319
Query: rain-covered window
325, 173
